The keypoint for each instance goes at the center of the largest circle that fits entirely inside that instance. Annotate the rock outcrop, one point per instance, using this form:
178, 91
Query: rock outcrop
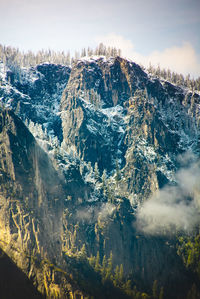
31, 196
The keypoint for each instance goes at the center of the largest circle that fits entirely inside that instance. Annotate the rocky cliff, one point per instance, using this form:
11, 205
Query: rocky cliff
108, 136
31, 193
125, 115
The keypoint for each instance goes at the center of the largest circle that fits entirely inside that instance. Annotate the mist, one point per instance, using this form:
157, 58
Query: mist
92, 214
174, 208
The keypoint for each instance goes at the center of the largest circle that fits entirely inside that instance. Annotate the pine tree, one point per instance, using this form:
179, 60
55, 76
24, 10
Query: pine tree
161, 295
169, 75
90, 167
68, 59
109, 193
116, 276
97, 262
17, 111
103, 269
158, 71
103, 179
92, 261
89, 51
117, 173
83, 252
96, 171
155, 289
109, 268
127, 288
83, 52
121, 273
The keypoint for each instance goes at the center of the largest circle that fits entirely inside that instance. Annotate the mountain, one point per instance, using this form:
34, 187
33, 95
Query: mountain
84, 151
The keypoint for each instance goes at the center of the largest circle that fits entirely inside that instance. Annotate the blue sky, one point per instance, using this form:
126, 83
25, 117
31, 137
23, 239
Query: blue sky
165, 32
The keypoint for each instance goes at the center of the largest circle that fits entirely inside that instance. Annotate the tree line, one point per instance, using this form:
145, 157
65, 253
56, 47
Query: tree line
174, 78
11, 56
14, 59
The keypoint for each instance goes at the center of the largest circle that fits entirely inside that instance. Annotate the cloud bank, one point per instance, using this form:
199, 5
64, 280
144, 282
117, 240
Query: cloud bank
173, 208
181, 59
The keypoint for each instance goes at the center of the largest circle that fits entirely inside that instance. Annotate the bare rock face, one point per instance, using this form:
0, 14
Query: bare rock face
112, 110
30, 195
92, 135
99, 84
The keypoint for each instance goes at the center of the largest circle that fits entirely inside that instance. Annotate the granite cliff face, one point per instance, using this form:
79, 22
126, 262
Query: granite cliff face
31, 193
111, 136
123, 114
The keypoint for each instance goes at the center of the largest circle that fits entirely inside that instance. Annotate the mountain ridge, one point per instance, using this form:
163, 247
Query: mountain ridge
113, 143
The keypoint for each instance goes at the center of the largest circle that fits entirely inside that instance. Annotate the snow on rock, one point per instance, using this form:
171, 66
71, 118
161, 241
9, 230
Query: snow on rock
34, 93
95, 59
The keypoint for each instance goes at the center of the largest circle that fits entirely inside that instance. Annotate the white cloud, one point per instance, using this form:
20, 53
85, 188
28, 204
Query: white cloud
174, 208
181, 59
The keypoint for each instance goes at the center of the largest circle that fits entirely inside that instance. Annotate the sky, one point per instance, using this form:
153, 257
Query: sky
157, 31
